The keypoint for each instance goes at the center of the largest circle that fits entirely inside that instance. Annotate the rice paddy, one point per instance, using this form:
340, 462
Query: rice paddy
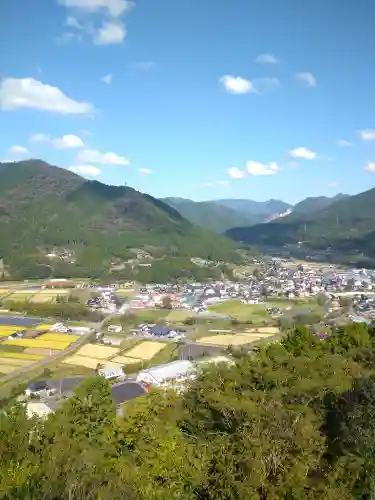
21, 355
59, 337
46, 344
97, 351
90, 362
124, 360
235, 340
145, 350
41, 351
6, 330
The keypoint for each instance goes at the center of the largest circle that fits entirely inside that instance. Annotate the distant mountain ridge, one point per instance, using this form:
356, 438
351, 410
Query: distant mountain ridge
346, 224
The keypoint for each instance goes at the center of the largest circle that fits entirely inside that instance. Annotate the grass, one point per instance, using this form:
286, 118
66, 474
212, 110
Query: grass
176, 316
169, 353
10, 348
240, 311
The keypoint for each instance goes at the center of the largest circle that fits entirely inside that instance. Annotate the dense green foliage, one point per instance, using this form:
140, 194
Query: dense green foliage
347, 226
211, 215
92, 227
294, 421
62, 310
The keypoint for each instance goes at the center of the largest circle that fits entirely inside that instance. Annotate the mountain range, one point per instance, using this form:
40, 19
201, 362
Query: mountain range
50, 216
343, 224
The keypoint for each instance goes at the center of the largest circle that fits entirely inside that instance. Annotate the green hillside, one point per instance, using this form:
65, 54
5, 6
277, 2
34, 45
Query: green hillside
211, 215
346, 226
91, 227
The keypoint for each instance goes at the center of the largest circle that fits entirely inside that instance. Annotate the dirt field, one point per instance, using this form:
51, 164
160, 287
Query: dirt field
124, 360
266, 330
145, 350
40, 352
97, 351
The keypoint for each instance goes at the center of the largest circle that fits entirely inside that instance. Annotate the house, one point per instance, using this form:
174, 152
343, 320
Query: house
168, 374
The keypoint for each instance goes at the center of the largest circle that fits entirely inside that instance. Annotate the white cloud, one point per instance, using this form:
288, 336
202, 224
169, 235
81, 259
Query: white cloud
307, 79
39, 138
367, 134
114, 7
68, 141
18, 150
145, 171
85, 170
28, 93
237, 85
69, 37
342, 143
266, 83
306, 153
236, 173
72, 22
94, 156
110, 33
145, 65
370, 167
266, 59
222, 183
107, 79
256, 168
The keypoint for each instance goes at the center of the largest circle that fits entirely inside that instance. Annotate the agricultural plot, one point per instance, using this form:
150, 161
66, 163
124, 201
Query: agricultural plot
21, 355
15, 362
90, 362
145, 350
265, 330
97, 351
6, 330
6, 369
44, 326
59, 337
240, 311
178, 316
46, 344
40, 351
234, 340
124, 360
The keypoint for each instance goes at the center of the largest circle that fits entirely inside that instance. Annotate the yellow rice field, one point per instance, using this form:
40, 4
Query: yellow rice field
3, 290
20, 355
124, 360
240, 339
6, 330
5, 369
42, 299
52, 344
15, 362
145, 350
59, 337
90, 362
54, 293
97, 351
24, 292
44, 326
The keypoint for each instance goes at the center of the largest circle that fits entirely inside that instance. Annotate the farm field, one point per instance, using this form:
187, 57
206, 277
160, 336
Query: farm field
38, 295
41, 351
235, 340
240, 311
97, 351
176, 316
6, 330
145, 350
124, 360
52, 344
20, 355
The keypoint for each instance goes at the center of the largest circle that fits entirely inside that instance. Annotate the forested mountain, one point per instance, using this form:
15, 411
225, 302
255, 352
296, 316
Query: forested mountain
313, 204
347, 225
211, 215
292, 422
89, 225
260, 208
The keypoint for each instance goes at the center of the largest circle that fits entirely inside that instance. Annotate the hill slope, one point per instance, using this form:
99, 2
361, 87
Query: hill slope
347, 225
91, 226
210, 215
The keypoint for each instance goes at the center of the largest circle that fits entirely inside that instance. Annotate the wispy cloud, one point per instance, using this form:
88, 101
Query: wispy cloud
107, 79
308, 79
236, 173
266, 59
305, 153
367, 135
342, 143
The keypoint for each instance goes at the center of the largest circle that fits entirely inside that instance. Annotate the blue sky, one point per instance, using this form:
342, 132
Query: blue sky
201, 99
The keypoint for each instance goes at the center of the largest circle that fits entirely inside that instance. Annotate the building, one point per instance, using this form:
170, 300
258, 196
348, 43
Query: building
168, 374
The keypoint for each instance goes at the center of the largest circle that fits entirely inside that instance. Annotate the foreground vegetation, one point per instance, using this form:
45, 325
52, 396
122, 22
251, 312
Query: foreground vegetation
292, 422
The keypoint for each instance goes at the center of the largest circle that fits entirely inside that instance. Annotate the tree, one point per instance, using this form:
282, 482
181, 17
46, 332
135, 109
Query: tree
167, 302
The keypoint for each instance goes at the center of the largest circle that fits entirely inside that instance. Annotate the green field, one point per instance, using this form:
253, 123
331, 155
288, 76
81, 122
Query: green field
176, 316
242, 312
